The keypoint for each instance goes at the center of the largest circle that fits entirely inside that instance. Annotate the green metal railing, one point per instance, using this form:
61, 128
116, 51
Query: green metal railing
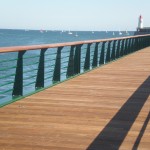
29, 69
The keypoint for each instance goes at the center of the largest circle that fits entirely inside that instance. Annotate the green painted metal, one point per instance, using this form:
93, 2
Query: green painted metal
57, 69
70, 69
40, 73
87, 58
141, 41
69, 65
122, 48
77, 60
136, 44
102, 54
118, 49
113, 53
129, 46
108, 52
18, 83
95, 57
125, 47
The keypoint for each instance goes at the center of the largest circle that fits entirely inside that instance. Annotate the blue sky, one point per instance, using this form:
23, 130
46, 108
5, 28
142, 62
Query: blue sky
73, 14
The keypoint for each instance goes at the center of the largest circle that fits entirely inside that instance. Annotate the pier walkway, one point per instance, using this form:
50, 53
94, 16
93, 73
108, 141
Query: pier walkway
106, 108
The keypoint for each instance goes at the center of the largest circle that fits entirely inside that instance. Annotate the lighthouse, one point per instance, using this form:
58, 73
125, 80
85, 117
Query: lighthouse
140, 29
140, 23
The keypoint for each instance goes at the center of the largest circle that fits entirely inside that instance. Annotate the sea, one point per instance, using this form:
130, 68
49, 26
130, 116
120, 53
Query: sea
23, 37
10, 37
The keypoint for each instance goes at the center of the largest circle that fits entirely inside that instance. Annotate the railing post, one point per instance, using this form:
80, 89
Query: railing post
40, 73
143, 39
122, 48
142, 42
57, 69
129, 46
70, 69
18, 83
77, 59
126, 47
102, 54
132, 45
113, 53
118, 49
87, 58
146, 41
139, 43
136, 44
108, 52
95, 58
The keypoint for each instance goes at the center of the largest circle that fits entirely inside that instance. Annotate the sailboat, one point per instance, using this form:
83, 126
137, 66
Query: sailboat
120, 33
76, 34
69, 32
41, 31
127, 33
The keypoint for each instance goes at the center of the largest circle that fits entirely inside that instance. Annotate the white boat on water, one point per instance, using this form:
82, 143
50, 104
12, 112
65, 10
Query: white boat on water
76, 34
120, 33
127, 33
70, 32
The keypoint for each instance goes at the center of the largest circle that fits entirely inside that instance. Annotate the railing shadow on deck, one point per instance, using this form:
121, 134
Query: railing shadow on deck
114, 133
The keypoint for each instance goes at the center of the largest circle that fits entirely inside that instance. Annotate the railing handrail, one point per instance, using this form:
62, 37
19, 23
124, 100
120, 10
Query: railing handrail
56, 45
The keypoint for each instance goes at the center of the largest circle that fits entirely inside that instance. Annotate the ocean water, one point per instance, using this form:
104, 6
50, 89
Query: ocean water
35, 37
32, 37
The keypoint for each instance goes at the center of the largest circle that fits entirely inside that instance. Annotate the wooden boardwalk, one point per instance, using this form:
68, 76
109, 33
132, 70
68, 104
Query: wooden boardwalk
107, 108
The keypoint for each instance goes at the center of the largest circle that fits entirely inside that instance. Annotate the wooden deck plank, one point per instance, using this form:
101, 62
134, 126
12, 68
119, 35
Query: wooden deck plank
91, 111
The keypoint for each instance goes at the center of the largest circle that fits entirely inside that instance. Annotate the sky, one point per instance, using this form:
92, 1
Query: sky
83, 15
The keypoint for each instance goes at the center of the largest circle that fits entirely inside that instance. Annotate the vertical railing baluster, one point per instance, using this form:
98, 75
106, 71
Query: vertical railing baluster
40, 73
87, 58
118, 49
113, 53
70, 69
77, 59
129, 46
95, 57
108, 52
126, 47
102, 54
133, 44
18, 83
136, 44
146, 42
122, 48
142, 42
57, 69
